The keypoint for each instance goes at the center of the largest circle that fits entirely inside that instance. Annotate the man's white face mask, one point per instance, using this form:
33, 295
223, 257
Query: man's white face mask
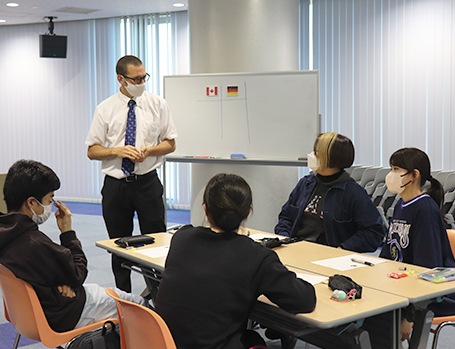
135, 90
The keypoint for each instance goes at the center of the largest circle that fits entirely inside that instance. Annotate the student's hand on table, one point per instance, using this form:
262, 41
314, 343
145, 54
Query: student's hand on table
406, 328
63, 216
66, 291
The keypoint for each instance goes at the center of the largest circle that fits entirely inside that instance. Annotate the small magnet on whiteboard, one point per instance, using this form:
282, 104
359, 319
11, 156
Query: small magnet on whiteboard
238, 156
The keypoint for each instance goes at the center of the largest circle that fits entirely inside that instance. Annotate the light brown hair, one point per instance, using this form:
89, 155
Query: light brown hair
334, 150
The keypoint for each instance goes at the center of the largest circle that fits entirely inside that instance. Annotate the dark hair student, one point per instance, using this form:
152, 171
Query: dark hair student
417, 233
327, 206
214, 275
28, 178
228, 201
412, 159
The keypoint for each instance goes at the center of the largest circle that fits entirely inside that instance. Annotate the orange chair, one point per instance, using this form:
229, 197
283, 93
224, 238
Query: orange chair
24, 311
443, 321
141, 327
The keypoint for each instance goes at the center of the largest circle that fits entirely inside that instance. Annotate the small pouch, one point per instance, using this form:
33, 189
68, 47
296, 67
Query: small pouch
346, 284
135, 240
270, 242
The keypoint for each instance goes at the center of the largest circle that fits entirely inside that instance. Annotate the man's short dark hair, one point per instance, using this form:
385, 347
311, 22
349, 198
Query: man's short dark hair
28, 178
122, 64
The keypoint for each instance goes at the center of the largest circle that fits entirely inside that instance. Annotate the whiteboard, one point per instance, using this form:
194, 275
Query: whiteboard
260, 115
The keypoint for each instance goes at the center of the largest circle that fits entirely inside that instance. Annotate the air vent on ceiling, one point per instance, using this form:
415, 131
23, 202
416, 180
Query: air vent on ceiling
79, 10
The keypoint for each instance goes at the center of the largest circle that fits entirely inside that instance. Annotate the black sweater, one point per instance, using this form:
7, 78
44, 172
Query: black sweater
211, 282
36, 259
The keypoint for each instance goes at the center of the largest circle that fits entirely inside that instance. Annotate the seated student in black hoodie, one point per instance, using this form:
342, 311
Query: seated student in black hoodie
56, 272
213, 276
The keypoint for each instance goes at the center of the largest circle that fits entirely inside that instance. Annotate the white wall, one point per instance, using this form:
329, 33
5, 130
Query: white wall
47, 104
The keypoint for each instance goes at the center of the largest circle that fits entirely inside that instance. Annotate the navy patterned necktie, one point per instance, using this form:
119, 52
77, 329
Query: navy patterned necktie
130, 137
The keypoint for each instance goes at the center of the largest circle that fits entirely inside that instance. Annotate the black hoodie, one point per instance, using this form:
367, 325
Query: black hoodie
35, 258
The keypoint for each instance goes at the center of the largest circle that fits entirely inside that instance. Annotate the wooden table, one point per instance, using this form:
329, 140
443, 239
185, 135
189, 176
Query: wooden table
419, 292
346, 317
300, 255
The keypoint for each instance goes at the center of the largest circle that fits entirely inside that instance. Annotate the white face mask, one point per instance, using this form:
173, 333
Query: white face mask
135, 90
313, 162
43, 217
394, 182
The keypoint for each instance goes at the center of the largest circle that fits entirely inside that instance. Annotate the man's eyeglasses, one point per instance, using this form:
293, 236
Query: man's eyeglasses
139, 79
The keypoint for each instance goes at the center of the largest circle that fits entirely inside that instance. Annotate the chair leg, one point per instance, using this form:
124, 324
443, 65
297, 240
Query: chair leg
16, 341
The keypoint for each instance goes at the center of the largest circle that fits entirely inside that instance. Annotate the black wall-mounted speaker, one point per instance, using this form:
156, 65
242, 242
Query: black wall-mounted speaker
52, 46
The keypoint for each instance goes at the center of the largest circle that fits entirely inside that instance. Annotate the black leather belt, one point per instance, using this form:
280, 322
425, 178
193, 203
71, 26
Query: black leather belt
135, 178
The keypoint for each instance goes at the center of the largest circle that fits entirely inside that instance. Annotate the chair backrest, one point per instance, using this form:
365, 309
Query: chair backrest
357, 172
141, 327
368, 176
23, 309
449, 184
378, 193
378, 180
18, 305
442, 176
451, 235
350, 169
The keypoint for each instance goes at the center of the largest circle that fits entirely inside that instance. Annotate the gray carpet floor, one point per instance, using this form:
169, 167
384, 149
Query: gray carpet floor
90, 228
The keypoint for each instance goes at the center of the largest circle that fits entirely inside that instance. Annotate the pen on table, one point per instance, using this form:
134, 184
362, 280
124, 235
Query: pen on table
362, 262
134, 247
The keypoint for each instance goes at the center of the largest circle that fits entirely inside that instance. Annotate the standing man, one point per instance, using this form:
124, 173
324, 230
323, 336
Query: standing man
130, 133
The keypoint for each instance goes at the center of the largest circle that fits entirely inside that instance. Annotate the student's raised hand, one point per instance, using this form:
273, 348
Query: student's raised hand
66, 291
63, 216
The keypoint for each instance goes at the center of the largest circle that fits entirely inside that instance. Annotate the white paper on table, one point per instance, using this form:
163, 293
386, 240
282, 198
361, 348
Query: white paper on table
154, 252
259, 236
312, 279
345, 263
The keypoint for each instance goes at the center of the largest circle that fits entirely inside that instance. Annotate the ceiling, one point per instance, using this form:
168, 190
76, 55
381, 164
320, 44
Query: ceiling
33, 11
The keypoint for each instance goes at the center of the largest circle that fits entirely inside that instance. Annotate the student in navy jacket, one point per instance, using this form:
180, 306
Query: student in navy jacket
328, 206
213, 276
417, 233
